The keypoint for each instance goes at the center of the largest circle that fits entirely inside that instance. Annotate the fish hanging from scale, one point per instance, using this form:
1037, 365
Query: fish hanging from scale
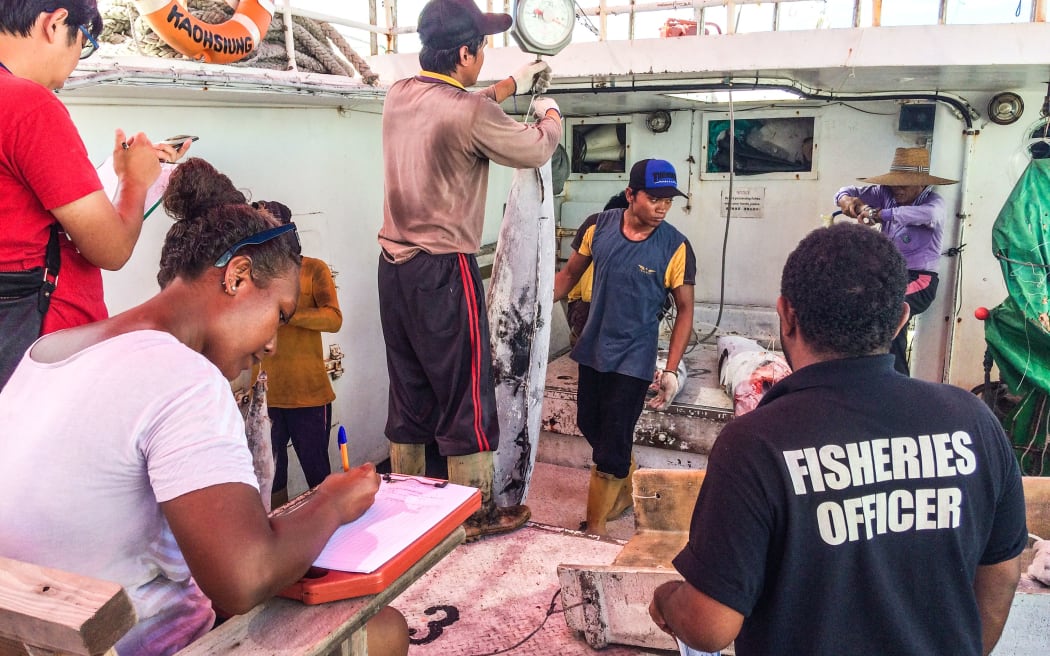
520, 297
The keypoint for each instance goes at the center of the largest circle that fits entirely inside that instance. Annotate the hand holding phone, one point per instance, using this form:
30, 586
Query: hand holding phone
179, 139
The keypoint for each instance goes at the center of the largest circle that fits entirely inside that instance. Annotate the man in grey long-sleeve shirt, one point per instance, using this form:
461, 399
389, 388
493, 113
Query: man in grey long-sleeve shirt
912, 216
438, 139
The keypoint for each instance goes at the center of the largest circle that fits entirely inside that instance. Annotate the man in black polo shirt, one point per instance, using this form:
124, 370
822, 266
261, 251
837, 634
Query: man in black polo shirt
856, 510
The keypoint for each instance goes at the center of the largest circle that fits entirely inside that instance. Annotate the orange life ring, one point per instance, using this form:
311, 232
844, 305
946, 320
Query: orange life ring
220, 43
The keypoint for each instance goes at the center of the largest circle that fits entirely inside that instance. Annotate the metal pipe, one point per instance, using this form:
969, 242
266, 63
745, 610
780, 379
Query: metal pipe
1039, 11
289, 37
391, 22
955, 263
967, 112
336, 20
373, 18
302, 85
876, 13
666, 5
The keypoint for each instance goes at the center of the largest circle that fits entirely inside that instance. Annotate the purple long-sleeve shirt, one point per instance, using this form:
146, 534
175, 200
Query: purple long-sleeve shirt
915, 229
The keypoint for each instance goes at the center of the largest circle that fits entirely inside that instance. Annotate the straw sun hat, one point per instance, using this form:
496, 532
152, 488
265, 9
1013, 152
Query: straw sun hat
911, 166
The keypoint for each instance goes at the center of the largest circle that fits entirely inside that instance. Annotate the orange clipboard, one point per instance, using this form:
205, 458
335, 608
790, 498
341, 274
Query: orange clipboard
323, 585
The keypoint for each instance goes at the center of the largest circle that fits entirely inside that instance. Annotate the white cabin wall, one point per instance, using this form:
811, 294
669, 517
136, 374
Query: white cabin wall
326, 165
849, 144
852, 141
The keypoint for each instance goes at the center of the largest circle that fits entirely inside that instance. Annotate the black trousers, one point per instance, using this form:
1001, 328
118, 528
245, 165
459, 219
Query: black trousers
308, 430
435, 325
922, 289
607, 408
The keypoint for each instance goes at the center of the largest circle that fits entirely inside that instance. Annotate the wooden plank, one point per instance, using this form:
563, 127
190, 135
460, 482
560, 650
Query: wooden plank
664, 498
614, 604
49, 609
283, 626
655, 549
1037, 505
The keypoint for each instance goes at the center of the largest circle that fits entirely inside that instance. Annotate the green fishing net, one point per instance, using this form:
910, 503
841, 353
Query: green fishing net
1018, 330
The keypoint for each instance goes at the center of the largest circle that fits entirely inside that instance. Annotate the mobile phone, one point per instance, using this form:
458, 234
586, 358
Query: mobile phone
179, 139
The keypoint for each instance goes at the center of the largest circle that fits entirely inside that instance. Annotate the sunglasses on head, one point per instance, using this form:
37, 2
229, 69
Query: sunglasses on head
256, 239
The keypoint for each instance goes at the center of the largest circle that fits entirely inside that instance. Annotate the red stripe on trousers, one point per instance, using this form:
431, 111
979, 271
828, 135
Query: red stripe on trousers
919, 284
475, 351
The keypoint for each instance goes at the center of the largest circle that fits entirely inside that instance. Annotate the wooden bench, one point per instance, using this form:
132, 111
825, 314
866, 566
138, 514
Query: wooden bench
614, 599
46, 611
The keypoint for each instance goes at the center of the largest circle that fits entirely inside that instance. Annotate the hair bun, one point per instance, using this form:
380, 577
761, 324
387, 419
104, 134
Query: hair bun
196, 187
278, 210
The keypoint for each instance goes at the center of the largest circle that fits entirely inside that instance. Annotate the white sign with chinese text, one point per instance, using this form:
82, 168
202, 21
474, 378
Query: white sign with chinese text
748, 203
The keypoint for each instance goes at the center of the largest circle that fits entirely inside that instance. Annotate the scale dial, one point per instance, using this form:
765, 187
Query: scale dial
543, 27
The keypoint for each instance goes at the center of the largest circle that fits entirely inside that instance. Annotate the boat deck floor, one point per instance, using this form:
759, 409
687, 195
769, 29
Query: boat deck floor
489, 595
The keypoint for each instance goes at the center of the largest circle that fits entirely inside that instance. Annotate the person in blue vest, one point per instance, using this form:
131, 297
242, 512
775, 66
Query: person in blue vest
637, 258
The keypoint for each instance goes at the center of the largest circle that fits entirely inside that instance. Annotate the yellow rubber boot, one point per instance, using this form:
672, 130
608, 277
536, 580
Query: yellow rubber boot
601, 495
475, 470
408, 459
626, 497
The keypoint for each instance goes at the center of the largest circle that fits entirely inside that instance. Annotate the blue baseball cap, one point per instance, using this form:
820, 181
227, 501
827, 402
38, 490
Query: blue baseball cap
655, 177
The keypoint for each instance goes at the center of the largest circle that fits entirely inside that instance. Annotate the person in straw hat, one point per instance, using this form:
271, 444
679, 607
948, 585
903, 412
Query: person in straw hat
907, 210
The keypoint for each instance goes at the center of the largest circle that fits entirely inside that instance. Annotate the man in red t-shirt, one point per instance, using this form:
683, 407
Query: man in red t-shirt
45, 173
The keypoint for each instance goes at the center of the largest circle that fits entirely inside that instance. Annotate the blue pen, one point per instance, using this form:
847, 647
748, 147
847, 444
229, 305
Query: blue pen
342, 449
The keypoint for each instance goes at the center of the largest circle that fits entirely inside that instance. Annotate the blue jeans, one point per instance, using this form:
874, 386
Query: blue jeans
689, 651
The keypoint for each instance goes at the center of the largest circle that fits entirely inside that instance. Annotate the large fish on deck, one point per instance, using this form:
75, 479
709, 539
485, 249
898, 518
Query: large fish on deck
520, 296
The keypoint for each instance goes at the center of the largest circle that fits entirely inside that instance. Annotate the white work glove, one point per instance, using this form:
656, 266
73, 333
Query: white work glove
666, 386
534, 74
540, 107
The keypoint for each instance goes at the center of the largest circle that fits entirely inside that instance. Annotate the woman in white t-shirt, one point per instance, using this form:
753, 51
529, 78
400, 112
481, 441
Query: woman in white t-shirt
126, 452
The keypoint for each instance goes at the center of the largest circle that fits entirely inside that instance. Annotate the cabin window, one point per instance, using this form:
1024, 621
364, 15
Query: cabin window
776, 147
598, 148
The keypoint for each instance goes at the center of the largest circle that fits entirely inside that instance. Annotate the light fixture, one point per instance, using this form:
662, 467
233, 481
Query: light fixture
658, 121
1005, 108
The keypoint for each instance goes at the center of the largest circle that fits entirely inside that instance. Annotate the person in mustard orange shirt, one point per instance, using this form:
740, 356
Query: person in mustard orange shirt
299, 393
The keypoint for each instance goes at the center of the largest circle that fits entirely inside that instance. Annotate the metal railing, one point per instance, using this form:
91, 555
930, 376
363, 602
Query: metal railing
865, 13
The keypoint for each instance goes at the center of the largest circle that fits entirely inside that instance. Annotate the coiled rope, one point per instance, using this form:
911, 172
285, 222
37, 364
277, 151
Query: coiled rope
319, 48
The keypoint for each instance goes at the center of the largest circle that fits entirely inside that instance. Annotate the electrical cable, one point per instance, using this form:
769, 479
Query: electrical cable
547, 616
729, 212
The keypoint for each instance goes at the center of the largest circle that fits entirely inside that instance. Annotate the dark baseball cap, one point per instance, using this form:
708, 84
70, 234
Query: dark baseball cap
445, 24
655, 177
